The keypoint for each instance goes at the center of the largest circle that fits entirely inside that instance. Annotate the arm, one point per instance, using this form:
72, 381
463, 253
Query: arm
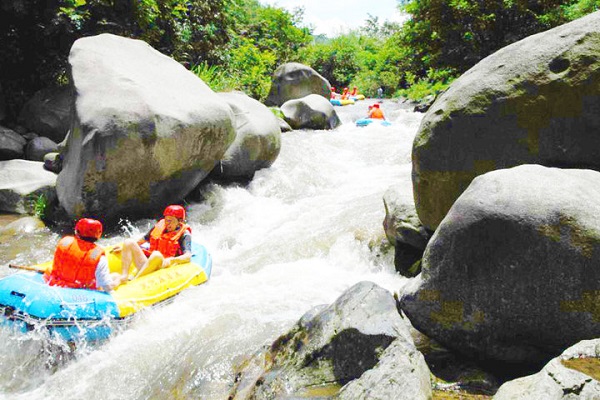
104, 279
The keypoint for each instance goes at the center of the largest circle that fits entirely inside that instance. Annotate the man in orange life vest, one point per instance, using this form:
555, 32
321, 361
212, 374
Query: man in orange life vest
168, 243
79, 262
375, 112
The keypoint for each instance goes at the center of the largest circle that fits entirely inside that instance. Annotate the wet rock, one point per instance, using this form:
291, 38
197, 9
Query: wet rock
535, 101
310, 112
38, 147
12, 145
22, 183
145, 130
48, 113
575, 374
23, 225
511, 274
257, 142
404, 230
294, 81
53, 162
335, 345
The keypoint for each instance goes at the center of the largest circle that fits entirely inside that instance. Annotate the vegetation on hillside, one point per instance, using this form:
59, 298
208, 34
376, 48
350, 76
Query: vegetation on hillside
237, 44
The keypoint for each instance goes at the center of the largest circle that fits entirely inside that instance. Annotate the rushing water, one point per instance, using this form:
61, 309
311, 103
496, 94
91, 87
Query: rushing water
300, 234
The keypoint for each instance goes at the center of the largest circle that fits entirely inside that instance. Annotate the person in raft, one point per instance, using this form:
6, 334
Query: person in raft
375, 112
354, 91
334, 95
168, 243
80, 263
345, 94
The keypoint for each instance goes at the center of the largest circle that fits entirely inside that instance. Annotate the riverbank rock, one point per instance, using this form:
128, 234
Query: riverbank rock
404, 230
334, 345
533, 102
575, 374
310, 112
48, 113
294, 81
257, 142
22, 183
512, 273
12, 145
38, 147
145, 130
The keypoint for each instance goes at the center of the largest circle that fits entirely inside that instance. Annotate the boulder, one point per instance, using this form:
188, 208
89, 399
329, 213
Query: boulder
404, 230
310, 112
22, 183
257, 142
400, 374
22, 225
334, 345
145, 130
535, 101
38, 147
293, 81
512, 273
48, 113
12, 145
575, 374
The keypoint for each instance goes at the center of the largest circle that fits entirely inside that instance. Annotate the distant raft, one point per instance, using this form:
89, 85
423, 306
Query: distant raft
358, 97
368, 121
28, 303
338, 102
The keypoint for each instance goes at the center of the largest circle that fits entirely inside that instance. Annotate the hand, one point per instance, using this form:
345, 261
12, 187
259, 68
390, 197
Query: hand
167, 262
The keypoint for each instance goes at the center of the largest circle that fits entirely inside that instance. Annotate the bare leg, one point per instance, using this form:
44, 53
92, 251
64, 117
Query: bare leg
153, 263
131, 251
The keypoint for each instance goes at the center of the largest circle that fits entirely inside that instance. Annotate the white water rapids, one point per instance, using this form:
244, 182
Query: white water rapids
300, 234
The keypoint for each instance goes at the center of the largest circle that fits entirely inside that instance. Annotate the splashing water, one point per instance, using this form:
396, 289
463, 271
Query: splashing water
300, 234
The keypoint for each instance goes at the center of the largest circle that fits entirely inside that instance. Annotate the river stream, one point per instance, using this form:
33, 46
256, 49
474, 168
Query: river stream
300, 234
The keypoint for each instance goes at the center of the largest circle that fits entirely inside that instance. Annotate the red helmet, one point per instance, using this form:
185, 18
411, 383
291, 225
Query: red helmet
332, 88
89, 228
376, 105
174, 211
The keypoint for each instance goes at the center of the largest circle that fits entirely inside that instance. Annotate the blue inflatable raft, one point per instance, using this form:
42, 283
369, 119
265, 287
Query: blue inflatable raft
368, 121
28, 303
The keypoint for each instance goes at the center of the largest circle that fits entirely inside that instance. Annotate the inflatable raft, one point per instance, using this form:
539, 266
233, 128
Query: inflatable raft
338, 102
358, 97
368, 121
28, 303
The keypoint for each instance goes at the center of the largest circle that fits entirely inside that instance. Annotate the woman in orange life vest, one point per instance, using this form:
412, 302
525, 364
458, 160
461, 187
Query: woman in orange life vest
375, 112
168, 243
354, 91
79, 262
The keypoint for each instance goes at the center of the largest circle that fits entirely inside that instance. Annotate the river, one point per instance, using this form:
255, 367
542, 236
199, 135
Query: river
300, 234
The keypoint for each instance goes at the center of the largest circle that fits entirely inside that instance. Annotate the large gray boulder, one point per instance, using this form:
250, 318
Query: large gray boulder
257, 141
310, 112
572, 375
12, 145
535, 101
145, 130
513, 271
22, 183
333, 345
293, 81
48, 113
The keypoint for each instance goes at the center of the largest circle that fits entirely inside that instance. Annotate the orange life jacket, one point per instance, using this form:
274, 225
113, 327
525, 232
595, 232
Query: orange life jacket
376, 113
74, 264
167, 242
